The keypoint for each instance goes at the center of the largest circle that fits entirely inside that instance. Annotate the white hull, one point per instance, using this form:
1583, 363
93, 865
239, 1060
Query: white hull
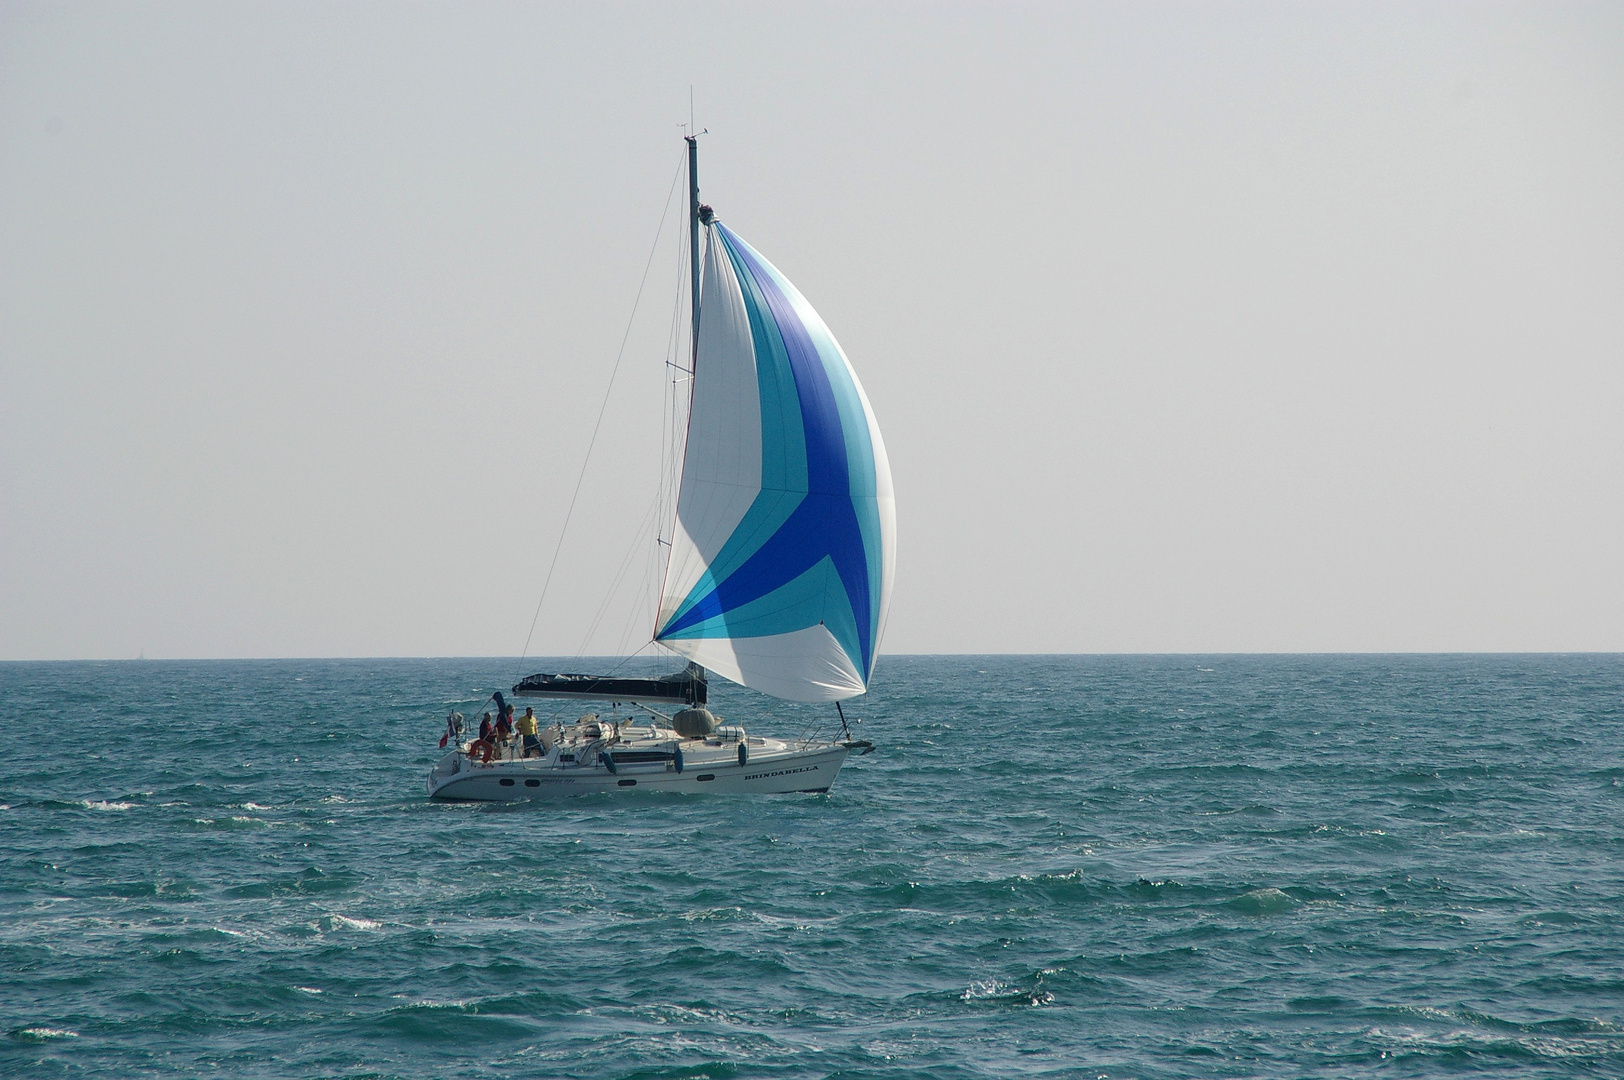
773, 768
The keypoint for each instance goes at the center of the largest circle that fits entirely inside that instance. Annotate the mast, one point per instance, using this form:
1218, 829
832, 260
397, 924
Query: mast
693, 294
693, 239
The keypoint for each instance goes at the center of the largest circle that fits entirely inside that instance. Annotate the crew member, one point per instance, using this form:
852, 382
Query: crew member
526, 726
504, 725
484, 747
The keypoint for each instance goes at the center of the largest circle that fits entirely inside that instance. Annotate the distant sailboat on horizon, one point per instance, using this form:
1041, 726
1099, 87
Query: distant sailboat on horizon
779, 575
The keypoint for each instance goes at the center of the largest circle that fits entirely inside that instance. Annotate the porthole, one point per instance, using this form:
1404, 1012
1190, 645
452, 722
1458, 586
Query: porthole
702, 777
628, 783
507, 781
532, 783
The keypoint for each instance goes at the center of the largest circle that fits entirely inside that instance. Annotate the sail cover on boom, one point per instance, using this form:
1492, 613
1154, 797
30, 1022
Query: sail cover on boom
784, 545
681, 688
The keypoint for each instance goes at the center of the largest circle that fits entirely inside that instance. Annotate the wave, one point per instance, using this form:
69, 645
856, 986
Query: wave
308, 882
998, 992
1488, 1021
456, 1023
1467, 1047
1268, 901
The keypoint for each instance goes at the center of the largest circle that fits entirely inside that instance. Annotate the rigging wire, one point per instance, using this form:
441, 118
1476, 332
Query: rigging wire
638, 538
679, 369
669, 479
676, 373
666, 490
661, 512
602, 409
648, 585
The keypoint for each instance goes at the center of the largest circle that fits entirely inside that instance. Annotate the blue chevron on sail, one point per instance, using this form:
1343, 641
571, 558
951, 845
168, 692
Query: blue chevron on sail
784, 545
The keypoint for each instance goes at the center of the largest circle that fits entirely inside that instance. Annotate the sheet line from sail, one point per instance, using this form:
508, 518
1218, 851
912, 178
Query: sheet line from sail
783, 550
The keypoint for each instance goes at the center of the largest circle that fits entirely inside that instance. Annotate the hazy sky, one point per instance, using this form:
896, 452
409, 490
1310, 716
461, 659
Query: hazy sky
1189, 326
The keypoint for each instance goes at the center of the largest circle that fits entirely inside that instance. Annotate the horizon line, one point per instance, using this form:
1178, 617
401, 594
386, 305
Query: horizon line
900, 655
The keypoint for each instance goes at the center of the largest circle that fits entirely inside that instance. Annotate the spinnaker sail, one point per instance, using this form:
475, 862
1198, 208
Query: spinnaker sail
783, 549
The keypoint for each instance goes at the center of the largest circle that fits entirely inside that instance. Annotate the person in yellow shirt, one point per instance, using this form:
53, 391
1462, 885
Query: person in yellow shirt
526, 726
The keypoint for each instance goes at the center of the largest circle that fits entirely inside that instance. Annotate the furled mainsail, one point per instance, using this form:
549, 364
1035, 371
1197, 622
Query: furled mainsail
784, 544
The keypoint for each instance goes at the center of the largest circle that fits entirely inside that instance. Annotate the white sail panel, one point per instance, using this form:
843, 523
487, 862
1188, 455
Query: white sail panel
804, 665
721, 474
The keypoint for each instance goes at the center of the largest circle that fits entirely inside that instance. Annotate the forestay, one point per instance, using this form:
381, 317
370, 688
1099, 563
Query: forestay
784, 545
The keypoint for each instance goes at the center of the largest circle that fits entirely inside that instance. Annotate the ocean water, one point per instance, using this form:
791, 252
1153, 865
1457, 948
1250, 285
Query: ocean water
1051, 867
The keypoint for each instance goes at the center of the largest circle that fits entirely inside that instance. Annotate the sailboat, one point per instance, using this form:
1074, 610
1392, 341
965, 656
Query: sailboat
782, 556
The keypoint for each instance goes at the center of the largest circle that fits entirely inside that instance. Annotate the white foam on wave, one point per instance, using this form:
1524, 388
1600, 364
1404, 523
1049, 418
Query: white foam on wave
41, 1034
670, 1013
978, 990
354, 924
998, 990
103, 804
430, 1003
802, 923
307, 989
722, 914
1411, 1041
1265, 901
